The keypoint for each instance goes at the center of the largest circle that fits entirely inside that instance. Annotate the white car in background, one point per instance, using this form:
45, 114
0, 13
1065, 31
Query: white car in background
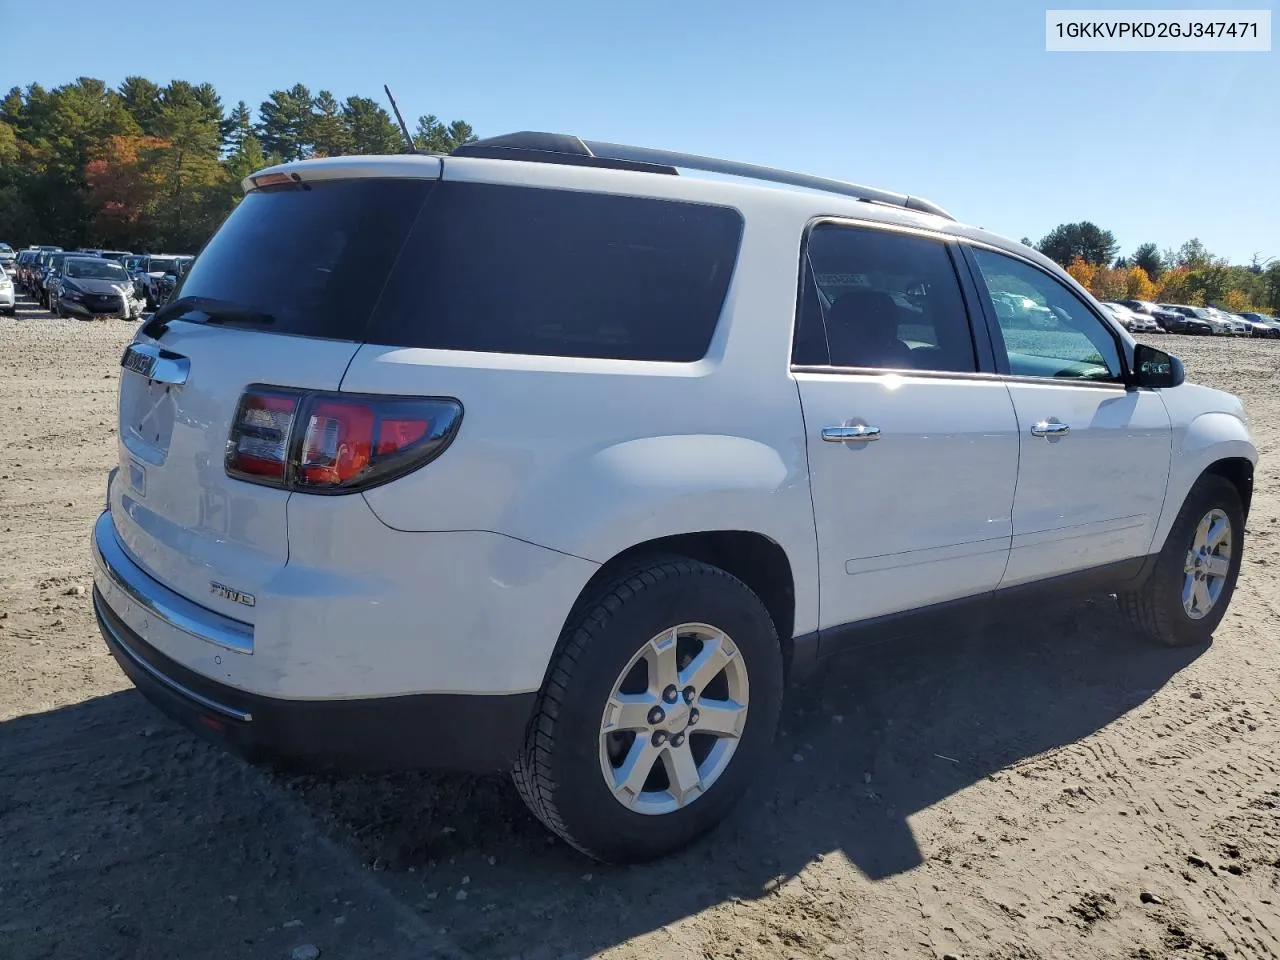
1132, 320
8, 295
1235, 326
7, 257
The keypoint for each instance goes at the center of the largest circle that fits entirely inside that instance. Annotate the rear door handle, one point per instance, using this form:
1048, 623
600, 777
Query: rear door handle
1050, 428
847, 434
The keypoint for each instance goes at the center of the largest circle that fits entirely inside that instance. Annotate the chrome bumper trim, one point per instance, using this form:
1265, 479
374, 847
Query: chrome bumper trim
161, 678
162, 603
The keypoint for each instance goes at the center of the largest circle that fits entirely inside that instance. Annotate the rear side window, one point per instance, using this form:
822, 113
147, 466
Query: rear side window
505, 269
314, 258
880, 299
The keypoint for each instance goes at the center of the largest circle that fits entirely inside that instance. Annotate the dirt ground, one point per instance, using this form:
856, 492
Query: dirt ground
1048, 787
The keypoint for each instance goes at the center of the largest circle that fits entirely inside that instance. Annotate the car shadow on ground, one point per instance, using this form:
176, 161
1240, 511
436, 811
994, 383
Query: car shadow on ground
879, 736
121, 835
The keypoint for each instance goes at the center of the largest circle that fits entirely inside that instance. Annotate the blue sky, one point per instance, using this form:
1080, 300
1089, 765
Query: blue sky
957, 102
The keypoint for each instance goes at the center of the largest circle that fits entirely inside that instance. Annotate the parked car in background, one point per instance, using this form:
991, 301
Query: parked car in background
7, 257
148, 270
1202, 315
42, 264
164, 287
92, 287
1132, 320
8, 294
28, 263
1272, 323
29, 269
1259, 328
47, 273
1236, 326
1160, 314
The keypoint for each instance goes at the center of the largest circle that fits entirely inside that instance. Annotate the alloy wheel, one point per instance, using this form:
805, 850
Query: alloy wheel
1207, 565
674, 719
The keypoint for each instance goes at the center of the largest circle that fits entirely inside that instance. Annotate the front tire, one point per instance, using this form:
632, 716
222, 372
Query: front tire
1186, 596
660, 704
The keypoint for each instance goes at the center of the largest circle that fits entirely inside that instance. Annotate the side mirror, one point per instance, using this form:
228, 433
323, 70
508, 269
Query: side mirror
1155, 368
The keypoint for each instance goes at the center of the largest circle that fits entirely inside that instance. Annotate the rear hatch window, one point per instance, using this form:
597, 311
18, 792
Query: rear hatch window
308, 260
478, 267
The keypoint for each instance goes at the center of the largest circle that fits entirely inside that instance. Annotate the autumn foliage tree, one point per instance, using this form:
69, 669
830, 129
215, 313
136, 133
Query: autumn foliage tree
1188, 274
122, 188
147, 166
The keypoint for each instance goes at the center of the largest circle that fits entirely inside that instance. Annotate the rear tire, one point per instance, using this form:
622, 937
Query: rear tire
1186, 596
602, 712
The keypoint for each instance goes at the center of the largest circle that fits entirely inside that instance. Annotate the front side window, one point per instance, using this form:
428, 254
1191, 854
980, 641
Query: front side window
1048, 331
883, 300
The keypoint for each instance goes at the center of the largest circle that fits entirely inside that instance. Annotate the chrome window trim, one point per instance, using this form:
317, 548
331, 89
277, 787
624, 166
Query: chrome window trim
957, 375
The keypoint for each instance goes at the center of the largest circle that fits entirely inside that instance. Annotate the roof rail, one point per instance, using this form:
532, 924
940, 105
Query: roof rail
561, 148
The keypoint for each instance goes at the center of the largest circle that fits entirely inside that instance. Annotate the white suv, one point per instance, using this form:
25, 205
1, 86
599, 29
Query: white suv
542, 456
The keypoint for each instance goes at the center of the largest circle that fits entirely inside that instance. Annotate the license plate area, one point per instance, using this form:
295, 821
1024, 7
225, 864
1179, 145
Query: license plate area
149, 411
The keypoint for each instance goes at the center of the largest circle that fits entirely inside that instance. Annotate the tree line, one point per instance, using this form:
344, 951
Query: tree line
1189, 274
150, 167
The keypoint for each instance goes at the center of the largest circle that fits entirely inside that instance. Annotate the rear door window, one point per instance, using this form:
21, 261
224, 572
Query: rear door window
881, 299
506, 269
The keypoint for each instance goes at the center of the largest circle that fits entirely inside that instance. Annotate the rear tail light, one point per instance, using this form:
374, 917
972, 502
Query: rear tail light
335, 442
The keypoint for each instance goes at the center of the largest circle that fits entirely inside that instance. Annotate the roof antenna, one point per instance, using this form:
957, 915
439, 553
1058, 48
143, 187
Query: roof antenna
403, 129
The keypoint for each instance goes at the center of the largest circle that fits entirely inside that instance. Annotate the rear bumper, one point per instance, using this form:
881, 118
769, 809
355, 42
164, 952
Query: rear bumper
467, 732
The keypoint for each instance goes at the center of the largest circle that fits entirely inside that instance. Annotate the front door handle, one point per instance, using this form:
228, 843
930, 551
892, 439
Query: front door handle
1050, 428
847, 434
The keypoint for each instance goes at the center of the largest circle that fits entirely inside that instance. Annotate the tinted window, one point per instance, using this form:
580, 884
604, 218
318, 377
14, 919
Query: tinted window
506, 269
314, 258
1047, 330
877, 298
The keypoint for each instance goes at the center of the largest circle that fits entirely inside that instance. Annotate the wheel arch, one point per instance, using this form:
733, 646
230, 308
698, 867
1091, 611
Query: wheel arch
757, 560
1233, 461
1238, 471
